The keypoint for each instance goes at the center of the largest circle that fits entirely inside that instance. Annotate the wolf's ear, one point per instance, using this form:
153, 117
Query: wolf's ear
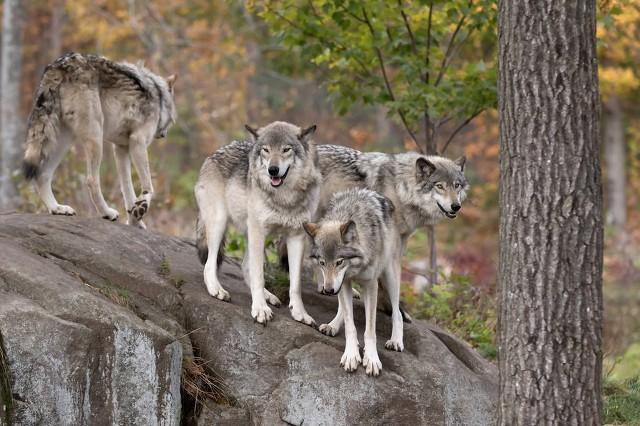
460, 162
311, 228
424, 168
348, 231
171, 80
254, 132
305, 134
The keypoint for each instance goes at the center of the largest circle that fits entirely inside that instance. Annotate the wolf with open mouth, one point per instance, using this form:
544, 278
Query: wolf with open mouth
267, 186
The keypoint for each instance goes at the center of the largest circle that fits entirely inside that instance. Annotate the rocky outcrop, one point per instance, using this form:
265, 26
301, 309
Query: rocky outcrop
101, 323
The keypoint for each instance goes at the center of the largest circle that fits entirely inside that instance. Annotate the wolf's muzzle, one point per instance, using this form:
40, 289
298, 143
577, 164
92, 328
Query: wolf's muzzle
450, 215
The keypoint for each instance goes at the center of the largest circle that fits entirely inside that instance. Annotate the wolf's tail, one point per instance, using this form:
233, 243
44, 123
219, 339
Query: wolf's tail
201, 244
43, 124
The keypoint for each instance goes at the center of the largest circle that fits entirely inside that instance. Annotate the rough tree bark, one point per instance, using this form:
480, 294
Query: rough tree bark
10, 120
615, 163
550, 355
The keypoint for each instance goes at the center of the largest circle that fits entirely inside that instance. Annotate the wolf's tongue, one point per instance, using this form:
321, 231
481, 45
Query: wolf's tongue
276, 181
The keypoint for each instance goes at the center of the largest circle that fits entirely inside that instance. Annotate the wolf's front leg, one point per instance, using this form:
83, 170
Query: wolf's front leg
295, 250
391, 282
371, 361
351, 357
256, 234
138, 151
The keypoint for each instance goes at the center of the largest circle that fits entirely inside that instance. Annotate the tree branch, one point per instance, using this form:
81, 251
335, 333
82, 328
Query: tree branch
386, 78
447, 54
408, 27
460, 127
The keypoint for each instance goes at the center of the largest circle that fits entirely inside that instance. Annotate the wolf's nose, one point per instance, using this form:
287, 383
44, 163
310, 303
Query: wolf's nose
455, 207
273, 170
329, 291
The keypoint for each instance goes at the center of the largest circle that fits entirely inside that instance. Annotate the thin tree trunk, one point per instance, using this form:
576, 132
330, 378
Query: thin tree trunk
615, 163
430, 149
10, 119
550, 355
57, 16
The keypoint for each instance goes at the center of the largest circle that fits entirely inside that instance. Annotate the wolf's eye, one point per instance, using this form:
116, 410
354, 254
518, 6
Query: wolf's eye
265, 149
286, 149
457, 185
339, 262
322, 263
439, 186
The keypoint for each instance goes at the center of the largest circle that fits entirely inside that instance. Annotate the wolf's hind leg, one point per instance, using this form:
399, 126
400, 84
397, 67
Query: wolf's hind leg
333, 328
93, 152
391, 282
140, 157
43, 182
123, 166
213, 213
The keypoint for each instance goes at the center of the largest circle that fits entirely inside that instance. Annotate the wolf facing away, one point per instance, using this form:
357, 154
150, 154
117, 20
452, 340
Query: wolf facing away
423, 189
356, 240
87, 99
268, 186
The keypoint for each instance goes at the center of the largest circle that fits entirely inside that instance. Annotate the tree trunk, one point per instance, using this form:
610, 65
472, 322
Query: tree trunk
10, 119
615, 163
550, 321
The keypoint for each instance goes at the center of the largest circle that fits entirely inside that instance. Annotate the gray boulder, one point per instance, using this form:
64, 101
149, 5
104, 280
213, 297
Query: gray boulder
101, 323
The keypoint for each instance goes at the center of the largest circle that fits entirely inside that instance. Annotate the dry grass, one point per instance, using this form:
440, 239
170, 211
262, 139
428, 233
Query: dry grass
201, 383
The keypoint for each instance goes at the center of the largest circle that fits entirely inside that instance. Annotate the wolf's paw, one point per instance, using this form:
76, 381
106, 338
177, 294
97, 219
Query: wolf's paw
219, 293
63, 210
356, 294
136, 223
300, 315
328, 330
261, 313
351, 358
111, 214
140, 208
371, 363
271, 298
394, 345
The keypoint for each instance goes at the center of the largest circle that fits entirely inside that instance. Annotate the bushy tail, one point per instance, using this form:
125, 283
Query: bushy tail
42, 128
201, 244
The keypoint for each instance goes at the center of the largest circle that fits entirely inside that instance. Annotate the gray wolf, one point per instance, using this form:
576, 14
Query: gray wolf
423, 189
356, 240
86, 99
267, 186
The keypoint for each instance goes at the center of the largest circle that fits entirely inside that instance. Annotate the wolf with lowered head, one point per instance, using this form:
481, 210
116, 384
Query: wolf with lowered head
356, 240
268, 186
85, 100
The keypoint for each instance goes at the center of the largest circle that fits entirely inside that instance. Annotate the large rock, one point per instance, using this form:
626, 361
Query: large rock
98, 320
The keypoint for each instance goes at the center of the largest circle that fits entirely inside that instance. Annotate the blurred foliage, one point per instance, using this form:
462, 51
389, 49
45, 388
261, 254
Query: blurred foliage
456, 305
417, 58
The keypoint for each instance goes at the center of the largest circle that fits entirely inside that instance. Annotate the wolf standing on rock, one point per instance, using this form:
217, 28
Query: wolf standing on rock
87, 99
356, 240
267, 186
